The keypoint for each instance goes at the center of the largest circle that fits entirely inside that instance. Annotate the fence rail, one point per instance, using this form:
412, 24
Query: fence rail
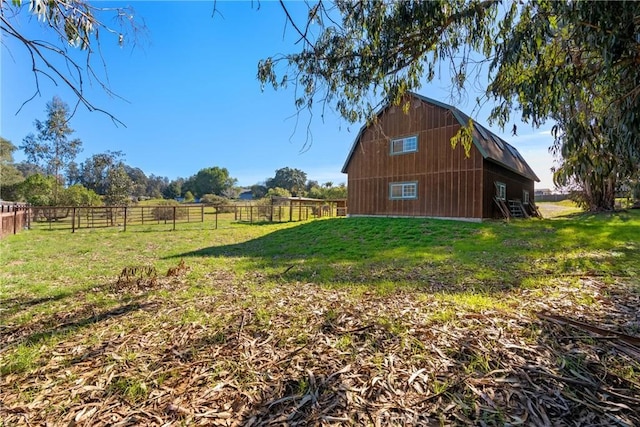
552, 197
14, 217
83, 217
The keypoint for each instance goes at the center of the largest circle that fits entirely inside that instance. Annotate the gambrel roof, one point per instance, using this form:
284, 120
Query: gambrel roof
490, 145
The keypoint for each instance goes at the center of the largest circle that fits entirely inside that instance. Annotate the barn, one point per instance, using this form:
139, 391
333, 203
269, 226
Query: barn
403, 165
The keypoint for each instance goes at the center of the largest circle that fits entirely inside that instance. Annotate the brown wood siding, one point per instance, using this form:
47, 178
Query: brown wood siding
515, 183
449, 183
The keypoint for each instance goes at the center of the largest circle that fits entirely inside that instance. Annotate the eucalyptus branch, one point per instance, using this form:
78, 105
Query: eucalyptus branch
73, 22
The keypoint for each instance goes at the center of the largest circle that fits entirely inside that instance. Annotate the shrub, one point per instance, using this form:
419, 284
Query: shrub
189, 197
222, 204
278, 192
165, 208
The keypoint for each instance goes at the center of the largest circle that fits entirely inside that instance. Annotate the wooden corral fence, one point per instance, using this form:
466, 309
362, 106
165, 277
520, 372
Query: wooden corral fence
289, 209
15, 217
78, 217
278, 210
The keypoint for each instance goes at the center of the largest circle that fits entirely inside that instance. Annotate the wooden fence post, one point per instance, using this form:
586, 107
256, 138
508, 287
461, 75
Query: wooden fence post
174, 218
216, 218
271, 211
15, 218
125, 218
73, 220
202, 213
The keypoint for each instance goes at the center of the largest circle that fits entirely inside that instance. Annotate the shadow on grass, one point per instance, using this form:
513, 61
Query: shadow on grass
437, 254
11, 306
63, 322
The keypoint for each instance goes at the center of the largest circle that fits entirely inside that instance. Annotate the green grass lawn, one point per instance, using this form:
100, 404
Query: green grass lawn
324, 321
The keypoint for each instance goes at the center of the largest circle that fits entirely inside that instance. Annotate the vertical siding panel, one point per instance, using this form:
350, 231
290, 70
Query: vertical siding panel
458, 167
468, 194
448, 193
352, 197
442, 165
462, 212
451, 154
432, 194
363, 190
478, 200
441, 193
358, 196
462, 184
433, 157
434, 171
376, 195
436, 120
379, 195
369, 201
422, 183
361, 197
382, 195
468, 206
478, 161
456, 182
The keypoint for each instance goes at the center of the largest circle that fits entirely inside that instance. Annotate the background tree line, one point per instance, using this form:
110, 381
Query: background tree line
52, 177
576, 63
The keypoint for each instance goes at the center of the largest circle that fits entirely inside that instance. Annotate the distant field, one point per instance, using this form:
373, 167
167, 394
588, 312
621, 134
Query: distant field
336, 321
557, 209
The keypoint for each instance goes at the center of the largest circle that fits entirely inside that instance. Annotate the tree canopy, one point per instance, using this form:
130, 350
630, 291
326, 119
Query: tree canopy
93, 173
119, 186
51, 148
213, 180
291, 179
366, 54
542, 59
10, 176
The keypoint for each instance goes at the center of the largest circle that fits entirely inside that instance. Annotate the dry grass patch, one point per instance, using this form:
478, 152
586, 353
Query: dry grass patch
303, 354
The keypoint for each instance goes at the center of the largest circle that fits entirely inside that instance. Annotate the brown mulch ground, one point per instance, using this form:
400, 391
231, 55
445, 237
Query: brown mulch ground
301, 354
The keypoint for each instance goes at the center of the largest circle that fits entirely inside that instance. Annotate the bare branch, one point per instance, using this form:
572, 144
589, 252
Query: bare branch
74, 22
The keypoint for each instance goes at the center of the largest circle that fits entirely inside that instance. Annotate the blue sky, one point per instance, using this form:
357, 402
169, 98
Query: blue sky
193, 100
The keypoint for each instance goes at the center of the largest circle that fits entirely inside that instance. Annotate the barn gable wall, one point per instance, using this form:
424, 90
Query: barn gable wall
449, 183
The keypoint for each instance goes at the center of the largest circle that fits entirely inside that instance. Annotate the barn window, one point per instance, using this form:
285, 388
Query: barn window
404, 145
525, 197
403, 190
501, 191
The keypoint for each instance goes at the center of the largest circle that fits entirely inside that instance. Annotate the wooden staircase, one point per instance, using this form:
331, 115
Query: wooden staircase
517, 209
